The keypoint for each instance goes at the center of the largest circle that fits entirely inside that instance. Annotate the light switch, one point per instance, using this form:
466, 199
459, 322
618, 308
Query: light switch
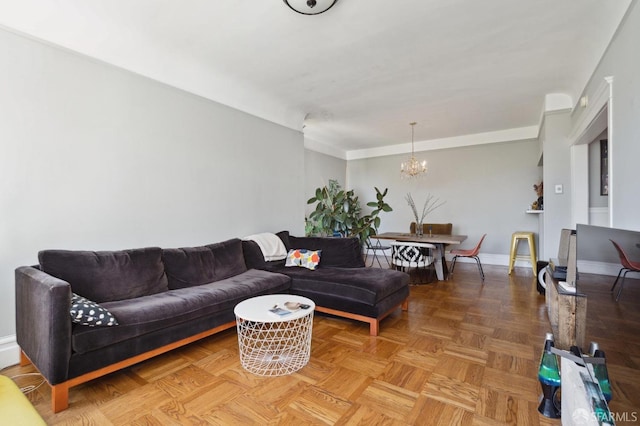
559, 189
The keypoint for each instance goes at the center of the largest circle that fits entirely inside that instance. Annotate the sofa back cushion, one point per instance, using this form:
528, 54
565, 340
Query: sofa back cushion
228, 259
336, 252
284, 236
253, 257
188, 266
192, 266
105, 276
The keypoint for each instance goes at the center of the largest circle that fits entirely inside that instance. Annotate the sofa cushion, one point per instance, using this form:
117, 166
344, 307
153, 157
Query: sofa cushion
188, 266
253, 257
86, 312
284, 236
270, 245
338, 303
360, 285
150, 313
104, 276
228, 259
338, 252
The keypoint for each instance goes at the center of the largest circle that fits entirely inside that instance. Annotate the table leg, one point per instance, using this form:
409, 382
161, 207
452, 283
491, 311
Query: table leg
440, 262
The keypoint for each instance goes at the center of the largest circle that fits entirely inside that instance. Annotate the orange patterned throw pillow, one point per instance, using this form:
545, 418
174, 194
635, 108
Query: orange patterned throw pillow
302, 257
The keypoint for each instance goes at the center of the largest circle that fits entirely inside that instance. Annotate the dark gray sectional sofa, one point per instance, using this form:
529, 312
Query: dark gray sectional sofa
166, 298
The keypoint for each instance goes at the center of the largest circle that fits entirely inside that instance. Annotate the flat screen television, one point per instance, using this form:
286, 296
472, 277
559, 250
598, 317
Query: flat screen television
599, 263
597, 255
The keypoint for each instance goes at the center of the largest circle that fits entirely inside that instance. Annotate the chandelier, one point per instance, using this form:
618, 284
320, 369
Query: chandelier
412, 168
310, 7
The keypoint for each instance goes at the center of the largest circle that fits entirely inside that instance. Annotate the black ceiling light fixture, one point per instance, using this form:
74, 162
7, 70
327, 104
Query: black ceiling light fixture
310, 7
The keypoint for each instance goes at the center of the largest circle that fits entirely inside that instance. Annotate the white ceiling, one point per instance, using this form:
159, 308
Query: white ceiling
355, 76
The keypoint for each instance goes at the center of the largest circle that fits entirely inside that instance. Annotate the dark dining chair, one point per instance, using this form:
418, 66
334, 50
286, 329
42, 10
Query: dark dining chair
376, 247
627, 266
436, 228
472, 253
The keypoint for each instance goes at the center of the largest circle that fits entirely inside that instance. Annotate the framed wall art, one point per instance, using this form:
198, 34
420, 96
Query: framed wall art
604, 167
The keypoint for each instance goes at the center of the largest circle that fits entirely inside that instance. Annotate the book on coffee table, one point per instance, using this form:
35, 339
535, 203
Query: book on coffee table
280, 312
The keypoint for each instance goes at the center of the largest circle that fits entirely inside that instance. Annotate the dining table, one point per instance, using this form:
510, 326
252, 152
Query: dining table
440, 241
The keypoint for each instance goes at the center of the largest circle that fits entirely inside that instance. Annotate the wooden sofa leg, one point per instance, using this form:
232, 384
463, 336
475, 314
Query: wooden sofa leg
405, 304
374, 327
59, 397
24, 359
59, 393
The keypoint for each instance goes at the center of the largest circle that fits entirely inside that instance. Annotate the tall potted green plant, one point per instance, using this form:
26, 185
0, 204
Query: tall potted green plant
339, 211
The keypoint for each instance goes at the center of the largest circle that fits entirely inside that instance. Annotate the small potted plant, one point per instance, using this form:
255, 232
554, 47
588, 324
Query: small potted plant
430, 205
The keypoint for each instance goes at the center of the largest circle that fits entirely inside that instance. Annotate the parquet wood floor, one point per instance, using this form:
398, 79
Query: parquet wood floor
464, 354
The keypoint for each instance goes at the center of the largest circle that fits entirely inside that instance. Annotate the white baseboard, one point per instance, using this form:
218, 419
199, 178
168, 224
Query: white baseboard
491, 259
9, 351
588, 267
486, 259
602, 268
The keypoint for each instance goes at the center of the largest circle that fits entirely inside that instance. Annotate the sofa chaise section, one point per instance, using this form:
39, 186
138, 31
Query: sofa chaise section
341, 285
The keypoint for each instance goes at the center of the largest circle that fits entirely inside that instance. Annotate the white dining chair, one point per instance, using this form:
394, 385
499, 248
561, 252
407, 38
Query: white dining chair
407, 255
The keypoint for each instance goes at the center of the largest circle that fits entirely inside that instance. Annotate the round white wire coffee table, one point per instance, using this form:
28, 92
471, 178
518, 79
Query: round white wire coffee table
273, 345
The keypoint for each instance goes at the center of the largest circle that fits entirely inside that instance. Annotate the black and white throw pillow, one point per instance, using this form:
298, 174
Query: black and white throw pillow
86, 312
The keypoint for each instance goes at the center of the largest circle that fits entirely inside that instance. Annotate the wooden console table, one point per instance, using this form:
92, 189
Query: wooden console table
567, 309
567, 314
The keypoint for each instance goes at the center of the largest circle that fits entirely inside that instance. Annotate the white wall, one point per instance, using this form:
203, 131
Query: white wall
487, 189
97, 158
318, 169
622, 62
557, 171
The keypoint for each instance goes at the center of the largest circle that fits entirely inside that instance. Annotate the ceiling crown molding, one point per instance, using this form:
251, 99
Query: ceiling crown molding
507, 135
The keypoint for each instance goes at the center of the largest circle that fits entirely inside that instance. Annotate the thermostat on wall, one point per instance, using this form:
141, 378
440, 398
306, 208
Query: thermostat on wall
559, 189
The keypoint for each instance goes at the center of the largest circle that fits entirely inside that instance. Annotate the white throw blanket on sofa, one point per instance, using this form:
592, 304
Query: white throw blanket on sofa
271, 245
